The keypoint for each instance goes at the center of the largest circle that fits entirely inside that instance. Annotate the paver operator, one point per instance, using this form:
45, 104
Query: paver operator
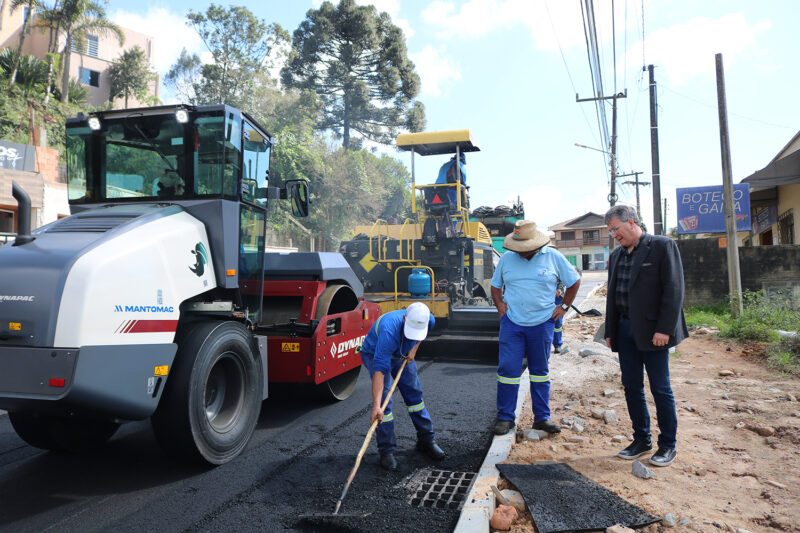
522, 289
394, 336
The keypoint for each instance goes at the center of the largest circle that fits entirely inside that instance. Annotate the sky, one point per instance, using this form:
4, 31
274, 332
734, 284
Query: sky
510, 70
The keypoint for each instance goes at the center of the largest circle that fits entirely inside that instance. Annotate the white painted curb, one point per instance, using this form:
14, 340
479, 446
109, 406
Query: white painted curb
480, 503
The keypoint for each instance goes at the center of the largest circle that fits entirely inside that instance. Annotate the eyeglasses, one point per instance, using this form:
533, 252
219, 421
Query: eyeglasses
613, 231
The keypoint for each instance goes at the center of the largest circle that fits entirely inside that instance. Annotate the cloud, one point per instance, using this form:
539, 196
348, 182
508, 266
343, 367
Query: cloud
436, 71
389, 6
550, 22
169, 31
686, 50
545, 204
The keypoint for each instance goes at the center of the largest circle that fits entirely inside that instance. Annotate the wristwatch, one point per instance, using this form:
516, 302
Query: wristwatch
565, 307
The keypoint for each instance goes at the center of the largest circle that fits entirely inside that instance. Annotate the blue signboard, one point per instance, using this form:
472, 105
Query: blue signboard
702, 209
765, 218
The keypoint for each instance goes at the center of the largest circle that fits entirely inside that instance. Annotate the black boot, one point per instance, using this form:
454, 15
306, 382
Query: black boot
388, 462
431, 449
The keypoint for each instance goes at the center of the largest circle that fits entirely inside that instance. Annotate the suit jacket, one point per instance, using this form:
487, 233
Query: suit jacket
655, 301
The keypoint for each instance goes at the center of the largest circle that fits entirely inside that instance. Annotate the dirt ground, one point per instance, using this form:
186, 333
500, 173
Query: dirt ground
738, 463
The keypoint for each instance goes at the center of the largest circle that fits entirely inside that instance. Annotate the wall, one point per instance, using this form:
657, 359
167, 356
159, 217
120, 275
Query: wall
705, 270
789, 198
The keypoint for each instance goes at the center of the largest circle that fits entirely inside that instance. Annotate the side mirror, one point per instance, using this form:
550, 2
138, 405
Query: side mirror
297, 194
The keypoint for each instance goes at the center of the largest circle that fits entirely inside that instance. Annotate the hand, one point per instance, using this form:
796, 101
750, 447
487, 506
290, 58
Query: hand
608, 341
558, 312
377, 414
659, 339
502, 308
412, 353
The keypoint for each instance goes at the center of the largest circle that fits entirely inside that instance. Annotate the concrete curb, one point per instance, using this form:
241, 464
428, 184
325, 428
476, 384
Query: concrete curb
480, 502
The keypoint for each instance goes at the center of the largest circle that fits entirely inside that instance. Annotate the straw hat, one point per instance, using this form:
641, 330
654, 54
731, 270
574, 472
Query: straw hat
525, 237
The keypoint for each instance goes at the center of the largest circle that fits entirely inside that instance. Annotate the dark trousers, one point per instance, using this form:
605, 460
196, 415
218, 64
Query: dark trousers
632, 363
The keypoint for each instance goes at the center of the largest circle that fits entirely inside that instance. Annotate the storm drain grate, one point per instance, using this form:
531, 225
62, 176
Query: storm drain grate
441, 489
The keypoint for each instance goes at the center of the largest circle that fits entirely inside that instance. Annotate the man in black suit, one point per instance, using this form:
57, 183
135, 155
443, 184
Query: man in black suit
644, 318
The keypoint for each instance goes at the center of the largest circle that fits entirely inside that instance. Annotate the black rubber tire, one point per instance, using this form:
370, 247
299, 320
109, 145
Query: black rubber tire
212, 398
64, 434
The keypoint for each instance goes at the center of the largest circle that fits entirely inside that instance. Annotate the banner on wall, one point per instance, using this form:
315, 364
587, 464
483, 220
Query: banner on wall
14, 156
765, 218
702, 209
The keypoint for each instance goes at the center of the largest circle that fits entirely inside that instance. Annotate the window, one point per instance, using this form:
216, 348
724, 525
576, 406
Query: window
786, 227
255, 156
91, 45
6, 222
591, 235
90, 77
567, 235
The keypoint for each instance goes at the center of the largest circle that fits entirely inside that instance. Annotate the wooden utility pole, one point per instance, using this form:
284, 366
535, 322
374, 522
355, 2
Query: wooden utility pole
657, 229
734, 276
612, 195
636, 183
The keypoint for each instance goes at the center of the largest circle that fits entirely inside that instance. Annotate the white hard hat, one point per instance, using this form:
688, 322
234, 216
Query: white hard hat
417, 319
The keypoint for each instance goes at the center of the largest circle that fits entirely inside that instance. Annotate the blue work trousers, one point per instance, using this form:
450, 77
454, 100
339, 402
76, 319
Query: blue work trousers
559, 327
632, 363
517, 342
411, 391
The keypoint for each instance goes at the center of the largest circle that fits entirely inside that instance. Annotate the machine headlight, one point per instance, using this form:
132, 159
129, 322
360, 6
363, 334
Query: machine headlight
94, 123
182, 116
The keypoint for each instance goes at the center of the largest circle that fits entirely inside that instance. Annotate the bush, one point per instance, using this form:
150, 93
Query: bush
785, 355
762, 314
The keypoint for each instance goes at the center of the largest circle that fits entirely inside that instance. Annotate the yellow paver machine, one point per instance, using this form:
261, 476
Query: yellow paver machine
438, 256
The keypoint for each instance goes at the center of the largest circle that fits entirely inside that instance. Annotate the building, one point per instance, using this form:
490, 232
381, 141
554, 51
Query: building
775, 199
90, 66
35, 169
583, 241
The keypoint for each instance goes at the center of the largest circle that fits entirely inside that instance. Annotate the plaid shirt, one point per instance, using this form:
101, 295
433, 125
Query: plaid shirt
623, 273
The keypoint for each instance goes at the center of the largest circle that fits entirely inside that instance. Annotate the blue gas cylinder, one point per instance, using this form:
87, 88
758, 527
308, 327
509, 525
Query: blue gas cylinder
419, 283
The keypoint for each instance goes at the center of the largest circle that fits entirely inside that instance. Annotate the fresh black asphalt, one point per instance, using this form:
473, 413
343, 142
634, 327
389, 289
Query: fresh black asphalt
296, 464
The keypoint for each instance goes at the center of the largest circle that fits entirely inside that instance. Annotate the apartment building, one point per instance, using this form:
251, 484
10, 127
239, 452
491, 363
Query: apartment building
89, 65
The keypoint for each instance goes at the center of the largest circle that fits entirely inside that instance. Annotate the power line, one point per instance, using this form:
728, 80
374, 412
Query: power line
566, 67
714, 106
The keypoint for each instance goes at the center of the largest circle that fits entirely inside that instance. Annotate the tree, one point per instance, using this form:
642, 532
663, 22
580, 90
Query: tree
240, 44
15, 4
356, 60
130, 75
184, 75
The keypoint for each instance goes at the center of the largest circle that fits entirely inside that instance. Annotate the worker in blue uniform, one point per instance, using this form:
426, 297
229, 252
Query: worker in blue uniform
394, 336
522, 290
558, 331
448, 174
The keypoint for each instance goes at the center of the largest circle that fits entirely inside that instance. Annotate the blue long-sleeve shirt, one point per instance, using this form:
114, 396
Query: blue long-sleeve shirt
385, 340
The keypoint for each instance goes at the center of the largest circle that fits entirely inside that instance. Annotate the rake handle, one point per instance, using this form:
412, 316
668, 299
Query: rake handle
364, 446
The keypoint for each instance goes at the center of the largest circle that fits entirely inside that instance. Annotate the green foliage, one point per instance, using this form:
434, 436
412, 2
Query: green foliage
785, 355
183, 75
130, 75
763, 313
240, 44
707, 315
355, 59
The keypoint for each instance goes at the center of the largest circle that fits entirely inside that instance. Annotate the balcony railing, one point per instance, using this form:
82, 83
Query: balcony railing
580, 242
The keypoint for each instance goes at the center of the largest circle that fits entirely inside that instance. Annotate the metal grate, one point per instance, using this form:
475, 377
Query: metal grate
440, 489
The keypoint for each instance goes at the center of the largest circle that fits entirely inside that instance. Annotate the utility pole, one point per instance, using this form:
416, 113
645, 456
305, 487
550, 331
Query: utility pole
657, 228
666, 228
734, 277
612, 195
636, 183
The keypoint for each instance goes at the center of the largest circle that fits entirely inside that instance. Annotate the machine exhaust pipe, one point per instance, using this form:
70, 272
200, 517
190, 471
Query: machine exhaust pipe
24, 212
